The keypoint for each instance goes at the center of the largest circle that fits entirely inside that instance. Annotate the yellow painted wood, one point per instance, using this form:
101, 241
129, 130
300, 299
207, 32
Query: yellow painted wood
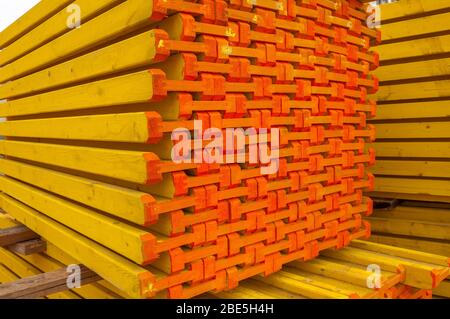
420, 186
413, 70
122, 202
299, 286
427, 149
126, 127
6, 275
414, 197
6, 221
252, 289
420, 244
420, 90
415, 228
23, 269
124, 18
417, 110
52, 28
437, 215
58, 254
402, 252
403, 29
134, 52
47, 264
413, 130
351, 274
405, 8
39, 13
127, 276
125, 165
138, 87
443, 289
117, 236
414, 48
438, 169
418, 275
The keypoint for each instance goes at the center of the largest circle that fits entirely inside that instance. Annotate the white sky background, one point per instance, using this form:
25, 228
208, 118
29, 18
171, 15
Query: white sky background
11, 10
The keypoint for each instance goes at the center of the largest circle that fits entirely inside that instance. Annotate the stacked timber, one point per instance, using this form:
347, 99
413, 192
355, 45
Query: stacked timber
421, 226
413, 120
92, 110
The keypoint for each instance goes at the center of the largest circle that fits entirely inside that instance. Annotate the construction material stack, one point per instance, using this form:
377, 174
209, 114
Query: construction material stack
91, 114
413, 127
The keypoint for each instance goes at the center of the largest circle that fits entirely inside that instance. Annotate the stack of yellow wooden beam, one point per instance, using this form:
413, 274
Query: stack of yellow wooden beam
418, 226
413, 119
93, 113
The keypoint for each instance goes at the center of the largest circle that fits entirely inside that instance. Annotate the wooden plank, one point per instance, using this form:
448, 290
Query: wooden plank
124, 165
416, 213
416, 110
29, 247
419, 186
109, 92
118, 21
7, 275
428, 149
127, 276
414, 197
51, 28
44, 284
33, 17
403, 29
412, 168
419, 90
129, 241
126, 127
405, 8
443, 289
414, 70
24, 269
418, 48
420, 244
415, 228
15, 235
122, 202
413, 130
130, 53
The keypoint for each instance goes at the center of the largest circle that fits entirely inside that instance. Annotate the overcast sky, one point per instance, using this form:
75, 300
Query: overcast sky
11, 10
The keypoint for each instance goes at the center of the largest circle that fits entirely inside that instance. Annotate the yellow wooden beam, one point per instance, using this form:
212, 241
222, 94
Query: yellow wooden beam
420, 244
124, 18
437, 215
404, 8
413, 70
403, 29
60, 255
417, 110
402, 252
7, 275
443, 289
33, 17
418, 275
414, 197
134, 52
429, 149
52, 28
414, 228
300, 285
418, 48
47, 264
125, 165
127, 276
413, 130
23, 269
122, 238
420, 90
419, 186
122, 202
139, 88
126, 127
438, 169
